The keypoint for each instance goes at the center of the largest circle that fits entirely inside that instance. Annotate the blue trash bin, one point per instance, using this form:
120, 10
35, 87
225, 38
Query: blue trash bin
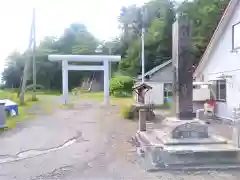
11, 108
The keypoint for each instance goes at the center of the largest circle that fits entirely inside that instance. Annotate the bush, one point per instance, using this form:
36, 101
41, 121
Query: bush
34, 98
121, 86
2, 86
126, 111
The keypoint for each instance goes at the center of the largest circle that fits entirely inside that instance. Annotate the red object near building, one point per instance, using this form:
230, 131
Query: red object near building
211, 103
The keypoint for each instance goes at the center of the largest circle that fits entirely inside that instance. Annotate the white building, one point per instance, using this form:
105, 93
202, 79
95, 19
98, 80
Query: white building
160, 79
220, 63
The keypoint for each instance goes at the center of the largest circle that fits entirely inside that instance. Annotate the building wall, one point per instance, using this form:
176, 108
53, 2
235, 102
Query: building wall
163, 75
222, 61
153, 96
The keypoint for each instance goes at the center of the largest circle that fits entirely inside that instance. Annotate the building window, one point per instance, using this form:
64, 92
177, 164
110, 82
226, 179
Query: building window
236, 36
221, 90
168, 95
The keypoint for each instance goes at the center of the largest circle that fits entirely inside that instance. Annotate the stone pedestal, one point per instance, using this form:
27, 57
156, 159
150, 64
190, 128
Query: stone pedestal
186, 145
200, 114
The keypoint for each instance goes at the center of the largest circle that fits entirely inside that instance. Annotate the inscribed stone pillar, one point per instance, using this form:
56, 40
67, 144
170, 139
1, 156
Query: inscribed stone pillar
182, 68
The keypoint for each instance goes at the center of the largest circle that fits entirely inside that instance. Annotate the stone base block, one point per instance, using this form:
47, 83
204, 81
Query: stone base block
200, 114
155, 155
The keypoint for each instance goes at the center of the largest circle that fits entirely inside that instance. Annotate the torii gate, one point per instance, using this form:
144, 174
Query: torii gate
84, 58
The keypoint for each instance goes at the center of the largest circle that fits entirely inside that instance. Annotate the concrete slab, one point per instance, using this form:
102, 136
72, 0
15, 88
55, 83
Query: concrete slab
39, 134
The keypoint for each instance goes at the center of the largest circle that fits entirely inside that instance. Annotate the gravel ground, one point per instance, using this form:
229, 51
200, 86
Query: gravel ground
103, 151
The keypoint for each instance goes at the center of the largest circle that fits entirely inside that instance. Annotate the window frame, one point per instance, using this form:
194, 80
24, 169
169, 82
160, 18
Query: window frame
234, 48
218, 90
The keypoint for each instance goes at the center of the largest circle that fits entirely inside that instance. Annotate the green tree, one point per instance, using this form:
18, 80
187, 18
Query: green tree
75, 40
157, 18
205, 16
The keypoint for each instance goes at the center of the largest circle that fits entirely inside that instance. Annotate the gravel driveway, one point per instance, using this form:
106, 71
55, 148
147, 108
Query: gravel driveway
102, 151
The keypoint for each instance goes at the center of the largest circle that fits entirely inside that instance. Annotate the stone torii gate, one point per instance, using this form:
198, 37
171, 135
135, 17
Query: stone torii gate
84, 58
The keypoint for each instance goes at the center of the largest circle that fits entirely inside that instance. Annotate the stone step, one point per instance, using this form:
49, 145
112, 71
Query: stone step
194, 167
159, 156
149, 165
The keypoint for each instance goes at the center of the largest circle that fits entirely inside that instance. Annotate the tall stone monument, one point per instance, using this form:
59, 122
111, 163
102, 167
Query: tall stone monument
182, 68
186, 145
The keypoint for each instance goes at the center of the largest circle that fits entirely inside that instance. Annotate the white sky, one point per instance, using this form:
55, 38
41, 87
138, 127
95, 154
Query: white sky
52, 16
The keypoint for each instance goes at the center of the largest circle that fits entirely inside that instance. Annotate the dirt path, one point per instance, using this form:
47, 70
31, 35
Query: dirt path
102, 151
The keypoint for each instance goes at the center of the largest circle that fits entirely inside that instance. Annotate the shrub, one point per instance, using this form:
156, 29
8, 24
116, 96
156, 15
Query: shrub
2, 86
121, 86
75, 91
34, 98
126, 111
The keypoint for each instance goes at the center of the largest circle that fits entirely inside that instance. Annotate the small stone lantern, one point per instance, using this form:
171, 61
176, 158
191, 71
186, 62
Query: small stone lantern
141, 89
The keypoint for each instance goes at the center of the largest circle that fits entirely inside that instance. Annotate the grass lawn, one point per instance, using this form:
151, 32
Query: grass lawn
47, 105
22, 109
99, 96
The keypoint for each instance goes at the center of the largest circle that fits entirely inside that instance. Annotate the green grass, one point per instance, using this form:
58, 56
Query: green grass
56, 93
92, 95
99, 96
11, 122
25, 115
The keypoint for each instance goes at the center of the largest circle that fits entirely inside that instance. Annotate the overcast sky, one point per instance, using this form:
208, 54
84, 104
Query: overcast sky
52, 16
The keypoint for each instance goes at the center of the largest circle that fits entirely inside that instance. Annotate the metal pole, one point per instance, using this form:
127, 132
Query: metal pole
142, 40
110, 64
143, 61
34, 57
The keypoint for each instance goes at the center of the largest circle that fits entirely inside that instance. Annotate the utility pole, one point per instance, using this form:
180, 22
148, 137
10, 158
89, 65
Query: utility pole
143, 13
142, 56
34, 56
27, 62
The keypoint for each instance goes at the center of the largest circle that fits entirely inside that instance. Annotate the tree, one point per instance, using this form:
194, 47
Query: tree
75, 40
158, 19
205, 16
159, 16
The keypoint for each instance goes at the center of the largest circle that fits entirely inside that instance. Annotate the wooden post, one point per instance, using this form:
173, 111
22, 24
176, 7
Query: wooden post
142, 120
34, 56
